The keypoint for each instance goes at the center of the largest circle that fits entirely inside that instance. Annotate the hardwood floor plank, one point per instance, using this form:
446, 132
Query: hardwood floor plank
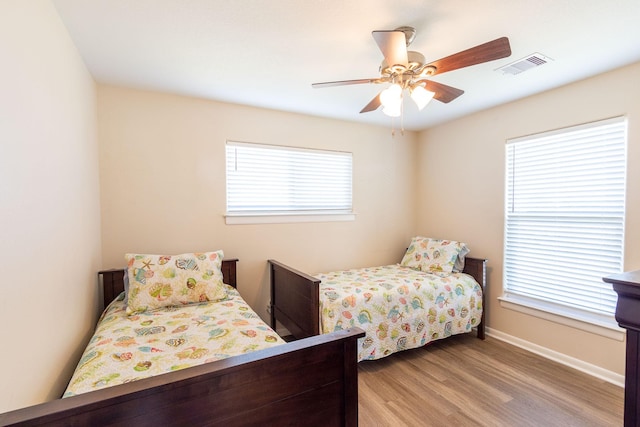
463, 381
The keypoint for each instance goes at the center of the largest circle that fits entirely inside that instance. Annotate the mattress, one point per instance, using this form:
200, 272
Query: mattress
128, 348
398, 307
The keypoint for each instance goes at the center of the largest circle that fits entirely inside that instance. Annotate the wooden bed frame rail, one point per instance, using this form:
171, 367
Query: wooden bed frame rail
313, 381
295, 297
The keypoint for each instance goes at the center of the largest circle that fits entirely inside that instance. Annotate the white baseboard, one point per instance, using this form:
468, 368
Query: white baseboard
572, 362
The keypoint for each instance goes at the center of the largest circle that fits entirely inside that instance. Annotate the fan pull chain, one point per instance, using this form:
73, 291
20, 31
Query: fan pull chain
393, 127
402, 117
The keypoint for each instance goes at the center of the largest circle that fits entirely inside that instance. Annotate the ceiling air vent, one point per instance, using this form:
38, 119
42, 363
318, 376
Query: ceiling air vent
524, 64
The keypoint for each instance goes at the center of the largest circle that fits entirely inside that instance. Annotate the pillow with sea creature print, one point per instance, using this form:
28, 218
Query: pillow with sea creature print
157, 281
434, 255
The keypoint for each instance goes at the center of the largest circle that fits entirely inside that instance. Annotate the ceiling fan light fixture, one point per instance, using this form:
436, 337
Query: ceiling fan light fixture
421, 96
391, 96
393, 110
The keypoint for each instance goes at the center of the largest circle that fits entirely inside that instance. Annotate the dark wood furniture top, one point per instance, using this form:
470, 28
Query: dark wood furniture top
627, 286
295, 297
312, 381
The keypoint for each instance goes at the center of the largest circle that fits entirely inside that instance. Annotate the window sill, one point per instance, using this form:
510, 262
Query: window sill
232, 219
600, 325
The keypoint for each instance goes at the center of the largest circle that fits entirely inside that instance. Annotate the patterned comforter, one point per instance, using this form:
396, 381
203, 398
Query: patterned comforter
398, 307
127, 348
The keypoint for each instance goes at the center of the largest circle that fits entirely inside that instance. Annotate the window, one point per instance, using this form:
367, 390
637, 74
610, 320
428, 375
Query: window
564, 224
267, 183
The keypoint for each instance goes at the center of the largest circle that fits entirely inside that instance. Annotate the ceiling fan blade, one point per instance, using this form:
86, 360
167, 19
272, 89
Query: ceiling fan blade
372, 105
496, 49
344, 82
393, 45
443, 93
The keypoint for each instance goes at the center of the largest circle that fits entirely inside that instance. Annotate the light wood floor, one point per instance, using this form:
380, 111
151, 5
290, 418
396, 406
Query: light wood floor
463, 381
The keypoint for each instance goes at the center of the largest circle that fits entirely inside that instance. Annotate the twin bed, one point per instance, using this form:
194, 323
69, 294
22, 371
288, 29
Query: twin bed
314, 379
200, 355
435, 292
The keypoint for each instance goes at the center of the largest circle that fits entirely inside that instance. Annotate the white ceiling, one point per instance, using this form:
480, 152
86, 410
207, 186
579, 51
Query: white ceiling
267, 53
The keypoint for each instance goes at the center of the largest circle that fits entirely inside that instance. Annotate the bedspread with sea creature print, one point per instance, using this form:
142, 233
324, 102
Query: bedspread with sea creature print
398, 307
127, 348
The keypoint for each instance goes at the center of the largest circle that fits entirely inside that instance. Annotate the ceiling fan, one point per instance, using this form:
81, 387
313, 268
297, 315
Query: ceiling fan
406, 69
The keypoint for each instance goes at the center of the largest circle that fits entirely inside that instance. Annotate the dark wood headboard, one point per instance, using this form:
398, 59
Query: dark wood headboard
113, 280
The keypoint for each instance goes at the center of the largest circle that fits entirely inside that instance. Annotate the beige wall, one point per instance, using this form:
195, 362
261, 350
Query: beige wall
49, 204
163, 186
466, 160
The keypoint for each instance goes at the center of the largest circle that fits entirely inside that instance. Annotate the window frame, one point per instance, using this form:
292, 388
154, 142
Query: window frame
600, 323
288, 214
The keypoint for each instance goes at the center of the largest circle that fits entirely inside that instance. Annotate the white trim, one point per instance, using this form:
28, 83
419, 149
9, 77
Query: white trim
563, 130
594, 325
282, 147
572, 362
232, 219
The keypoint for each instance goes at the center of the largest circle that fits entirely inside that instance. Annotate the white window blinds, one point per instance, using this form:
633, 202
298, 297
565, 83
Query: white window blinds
565, 202
272, 180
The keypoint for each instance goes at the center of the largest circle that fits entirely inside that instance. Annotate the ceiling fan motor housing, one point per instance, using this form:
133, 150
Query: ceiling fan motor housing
416, 61
409, 33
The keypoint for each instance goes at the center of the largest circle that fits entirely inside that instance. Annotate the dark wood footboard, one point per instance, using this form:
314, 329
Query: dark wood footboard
312, 381
294, 300
477, 268
295, 297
